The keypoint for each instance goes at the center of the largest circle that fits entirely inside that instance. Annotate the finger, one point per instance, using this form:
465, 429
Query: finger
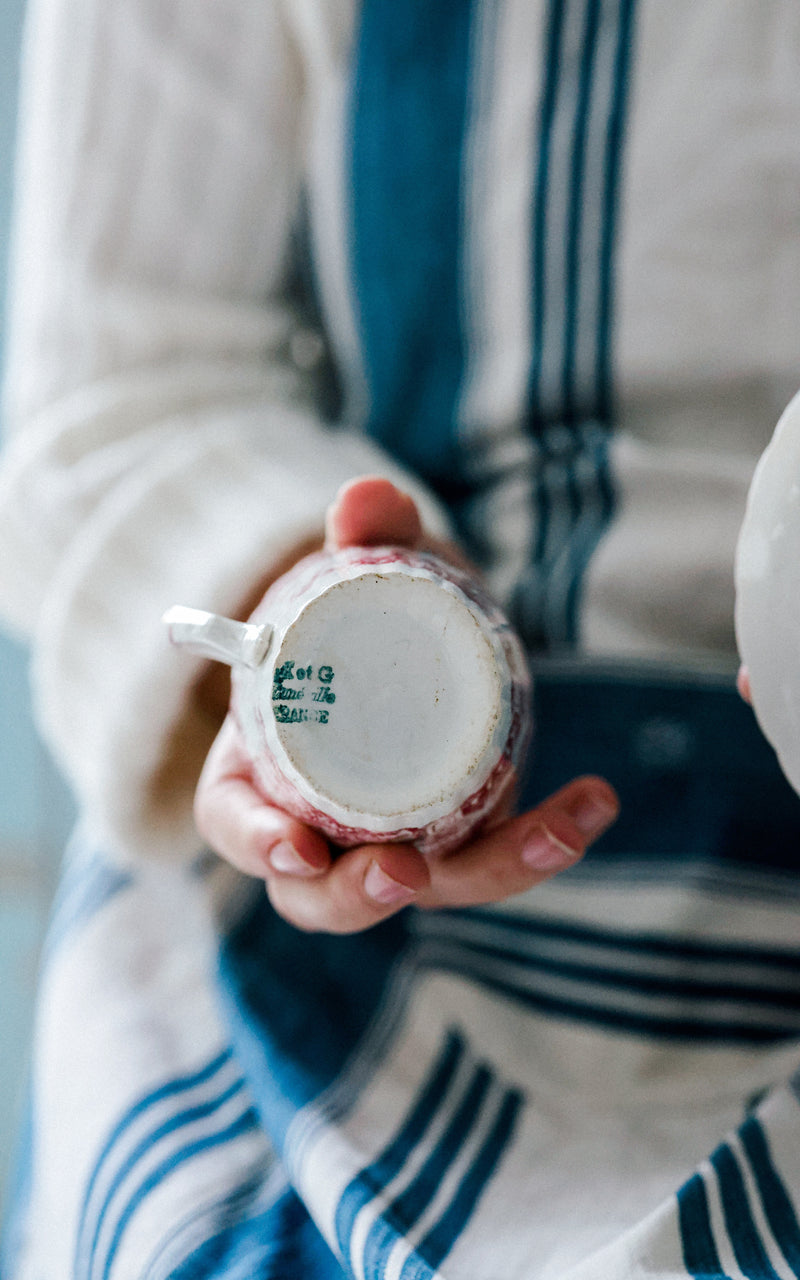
364, 886
743, 683
369, 511
257, 838
522, 852
232, 816
370, 883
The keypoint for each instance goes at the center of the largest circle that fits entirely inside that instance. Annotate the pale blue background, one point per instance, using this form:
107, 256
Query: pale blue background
34, 806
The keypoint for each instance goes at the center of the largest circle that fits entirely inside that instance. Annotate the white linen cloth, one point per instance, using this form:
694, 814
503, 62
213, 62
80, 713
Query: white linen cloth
555, 261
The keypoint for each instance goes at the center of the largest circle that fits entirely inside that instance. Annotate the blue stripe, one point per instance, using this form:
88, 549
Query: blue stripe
747, 1244
613, 166
245, 1122
602, 412
408, 121
547, 111
700, 1256
441, 1238
397, 1219
631, 1022
516, 946
778, 1208
669, 985
783, 960
589, 527
170, 1088
576, 211
572, 469
372, 1179
180, 1120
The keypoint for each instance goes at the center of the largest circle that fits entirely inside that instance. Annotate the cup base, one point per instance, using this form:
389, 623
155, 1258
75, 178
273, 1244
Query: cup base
387, 698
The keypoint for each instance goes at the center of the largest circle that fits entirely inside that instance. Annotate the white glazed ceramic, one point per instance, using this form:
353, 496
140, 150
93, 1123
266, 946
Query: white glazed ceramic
380, 693
768, 591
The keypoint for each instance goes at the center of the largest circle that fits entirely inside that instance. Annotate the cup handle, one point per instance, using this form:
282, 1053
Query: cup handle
212, 636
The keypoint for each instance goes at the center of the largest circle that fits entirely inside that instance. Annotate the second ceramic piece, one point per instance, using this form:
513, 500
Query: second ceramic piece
768, 591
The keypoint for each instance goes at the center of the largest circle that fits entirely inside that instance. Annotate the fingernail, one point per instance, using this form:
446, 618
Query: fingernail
543, 851
593, 814
284, 857
383, 888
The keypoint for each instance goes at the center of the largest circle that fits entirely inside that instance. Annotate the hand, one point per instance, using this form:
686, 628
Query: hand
318, 890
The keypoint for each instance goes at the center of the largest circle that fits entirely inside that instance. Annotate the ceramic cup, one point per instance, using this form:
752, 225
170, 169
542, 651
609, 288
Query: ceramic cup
381, 695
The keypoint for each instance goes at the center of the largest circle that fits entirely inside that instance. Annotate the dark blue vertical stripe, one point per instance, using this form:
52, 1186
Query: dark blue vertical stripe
778, 1208
576, 208
403, 1212
700, 1256
602, 409
613, 167
589, 528
578, 477
747, 1245
547, 111
375, 1176
599, 406
408, 120
443, 1235
571, 407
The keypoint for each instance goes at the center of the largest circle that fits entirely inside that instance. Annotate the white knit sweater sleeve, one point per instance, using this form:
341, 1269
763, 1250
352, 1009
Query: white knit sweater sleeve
161, 445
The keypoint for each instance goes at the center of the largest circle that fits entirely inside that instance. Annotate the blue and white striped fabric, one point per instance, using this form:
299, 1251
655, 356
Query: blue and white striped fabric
503, 404
597, 1079
594, 1081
